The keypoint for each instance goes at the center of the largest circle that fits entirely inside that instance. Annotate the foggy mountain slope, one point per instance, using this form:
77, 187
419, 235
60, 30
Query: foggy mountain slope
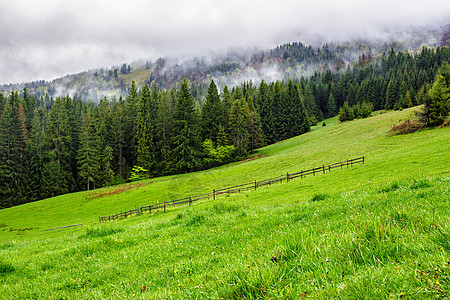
291, 60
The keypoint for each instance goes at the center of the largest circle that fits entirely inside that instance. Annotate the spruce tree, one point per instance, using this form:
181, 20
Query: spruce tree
131, 109
266, 111
391, 95
331, 106
118, 142
88, 153
164, 133
59, 146
211, 113
186, 140
13, 155
145, 131
240, 127
438, 106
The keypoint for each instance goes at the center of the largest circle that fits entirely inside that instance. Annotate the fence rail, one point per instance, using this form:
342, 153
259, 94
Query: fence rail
232, 189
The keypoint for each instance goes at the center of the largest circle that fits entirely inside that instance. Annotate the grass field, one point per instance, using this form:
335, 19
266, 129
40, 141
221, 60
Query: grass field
378, 230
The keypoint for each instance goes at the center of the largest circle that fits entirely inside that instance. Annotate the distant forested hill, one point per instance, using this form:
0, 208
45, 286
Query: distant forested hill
287, 61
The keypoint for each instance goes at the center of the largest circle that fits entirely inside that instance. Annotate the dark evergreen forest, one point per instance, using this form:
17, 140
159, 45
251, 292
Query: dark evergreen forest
52, 146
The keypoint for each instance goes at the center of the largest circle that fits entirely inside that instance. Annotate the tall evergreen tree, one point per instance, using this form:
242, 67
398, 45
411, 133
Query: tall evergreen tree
145, 131
13, 172
88, 153
118, 142
391, 95
240, 127
164, 133
266, 112
438, 106
58, 172
212, 113
185, 136
131, 111
331, 106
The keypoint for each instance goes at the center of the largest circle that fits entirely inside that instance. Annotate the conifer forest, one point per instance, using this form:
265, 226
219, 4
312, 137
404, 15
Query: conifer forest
55, 145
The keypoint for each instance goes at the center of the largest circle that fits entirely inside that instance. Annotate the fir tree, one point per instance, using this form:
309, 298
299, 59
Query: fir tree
164, 131
186, 143
13, 172
118, 141
145, 131
240, 127
391, 95
89, 154
131, 108
331, 106
211, 113
438, 106
59, 143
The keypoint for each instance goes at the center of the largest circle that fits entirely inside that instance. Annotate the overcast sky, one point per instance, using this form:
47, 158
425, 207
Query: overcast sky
45, 39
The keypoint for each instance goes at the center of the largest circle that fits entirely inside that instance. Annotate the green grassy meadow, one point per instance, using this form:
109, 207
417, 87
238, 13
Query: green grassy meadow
378, 230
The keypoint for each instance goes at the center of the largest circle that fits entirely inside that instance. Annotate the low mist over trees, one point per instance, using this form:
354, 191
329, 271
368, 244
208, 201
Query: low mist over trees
53, 146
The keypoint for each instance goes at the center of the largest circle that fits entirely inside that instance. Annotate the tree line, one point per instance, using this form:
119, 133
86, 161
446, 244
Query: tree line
51, 146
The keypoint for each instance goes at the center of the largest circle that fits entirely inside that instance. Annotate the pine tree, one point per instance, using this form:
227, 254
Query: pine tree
88, 153
391, 95
13, 172
211, 114
145, 131
266, 112
58, 154
164, 133
118, 143
36, 150
131, 108
103, 125
438, 106
186, 141
331, 106
240, 127
311, 107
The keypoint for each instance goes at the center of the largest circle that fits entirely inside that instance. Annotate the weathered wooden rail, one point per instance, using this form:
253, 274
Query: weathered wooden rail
233, 189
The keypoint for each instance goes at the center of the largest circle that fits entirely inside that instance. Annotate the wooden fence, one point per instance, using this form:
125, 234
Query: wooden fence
232, 189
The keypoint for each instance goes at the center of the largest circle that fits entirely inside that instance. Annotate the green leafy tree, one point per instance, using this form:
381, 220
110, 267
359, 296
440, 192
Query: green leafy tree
345, 113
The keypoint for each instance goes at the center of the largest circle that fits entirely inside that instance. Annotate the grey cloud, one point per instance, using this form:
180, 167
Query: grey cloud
47, 39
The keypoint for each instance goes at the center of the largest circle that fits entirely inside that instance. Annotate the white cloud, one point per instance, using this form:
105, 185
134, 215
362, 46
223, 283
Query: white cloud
47, 39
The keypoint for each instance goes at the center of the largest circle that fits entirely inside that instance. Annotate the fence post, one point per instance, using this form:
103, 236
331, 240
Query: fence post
323, 166
164, 206
190, 201
347, 163
363, 159
314, 171
301, 174
214, 194
287, 177
255, 185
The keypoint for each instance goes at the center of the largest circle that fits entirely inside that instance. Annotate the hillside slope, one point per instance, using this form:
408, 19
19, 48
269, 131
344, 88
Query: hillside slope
376, 230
